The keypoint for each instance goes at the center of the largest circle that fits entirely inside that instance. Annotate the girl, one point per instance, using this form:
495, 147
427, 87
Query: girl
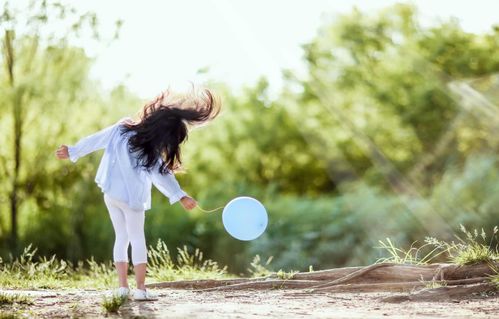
138, 154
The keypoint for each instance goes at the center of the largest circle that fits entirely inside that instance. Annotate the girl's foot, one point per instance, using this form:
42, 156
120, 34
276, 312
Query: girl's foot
142, 295
122, 292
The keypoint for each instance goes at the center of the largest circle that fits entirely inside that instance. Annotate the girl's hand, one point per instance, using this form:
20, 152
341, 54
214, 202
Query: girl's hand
188, 202
62, 152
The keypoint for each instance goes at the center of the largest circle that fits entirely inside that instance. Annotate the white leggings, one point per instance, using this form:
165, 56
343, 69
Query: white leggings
128, 226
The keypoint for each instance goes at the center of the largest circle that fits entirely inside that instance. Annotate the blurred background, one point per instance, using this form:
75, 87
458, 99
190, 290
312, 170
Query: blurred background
350, 121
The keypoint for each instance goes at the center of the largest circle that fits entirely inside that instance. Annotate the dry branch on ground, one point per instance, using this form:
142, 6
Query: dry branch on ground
377, 277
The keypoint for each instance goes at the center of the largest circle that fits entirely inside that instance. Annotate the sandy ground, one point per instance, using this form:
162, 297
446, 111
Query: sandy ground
250, 304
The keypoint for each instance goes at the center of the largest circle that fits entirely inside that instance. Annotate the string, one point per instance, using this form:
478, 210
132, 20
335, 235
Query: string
209, 211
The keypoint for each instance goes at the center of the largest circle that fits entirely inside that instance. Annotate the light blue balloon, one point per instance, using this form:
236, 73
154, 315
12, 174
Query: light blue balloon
245, 218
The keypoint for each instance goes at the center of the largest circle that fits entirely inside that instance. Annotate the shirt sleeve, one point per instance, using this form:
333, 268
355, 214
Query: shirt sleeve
91, 143
167, 184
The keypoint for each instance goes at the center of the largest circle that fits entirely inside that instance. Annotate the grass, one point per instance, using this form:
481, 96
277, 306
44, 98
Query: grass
9, 315
188, 266
432, 284
495, 280
257, 269
52, 273
414, 255
11, 298
113, 303
474, 247
283, 275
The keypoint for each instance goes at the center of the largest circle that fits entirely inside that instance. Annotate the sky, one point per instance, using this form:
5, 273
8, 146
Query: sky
163, 43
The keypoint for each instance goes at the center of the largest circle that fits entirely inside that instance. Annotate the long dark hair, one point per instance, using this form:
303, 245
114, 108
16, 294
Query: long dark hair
164, 124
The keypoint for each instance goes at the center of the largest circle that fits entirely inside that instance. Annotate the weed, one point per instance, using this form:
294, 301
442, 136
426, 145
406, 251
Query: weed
113, 303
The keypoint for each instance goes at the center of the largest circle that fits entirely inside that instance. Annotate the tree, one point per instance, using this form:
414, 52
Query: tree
43, 76
377, 89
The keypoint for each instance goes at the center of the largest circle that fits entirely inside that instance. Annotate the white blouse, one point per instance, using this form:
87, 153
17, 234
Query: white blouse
118, 176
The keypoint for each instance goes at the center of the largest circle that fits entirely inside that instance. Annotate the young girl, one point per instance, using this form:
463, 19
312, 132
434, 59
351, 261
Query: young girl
138, 154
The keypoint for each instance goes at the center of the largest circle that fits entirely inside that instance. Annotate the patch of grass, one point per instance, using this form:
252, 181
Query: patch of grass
414, 255
113, 303
52, 273
432, 284
495, 280
257, 269
188, 265
283, 275
471, 249
9, 315
11, 298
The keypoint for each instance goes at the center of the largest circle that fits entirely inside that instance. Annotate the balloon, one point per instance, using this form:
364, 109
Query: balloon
245, 218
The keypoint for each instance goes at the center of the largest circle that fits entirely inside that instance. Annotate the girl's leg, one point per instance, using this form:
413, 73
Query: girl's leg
122, 270
140, 275
135, 228
121, 243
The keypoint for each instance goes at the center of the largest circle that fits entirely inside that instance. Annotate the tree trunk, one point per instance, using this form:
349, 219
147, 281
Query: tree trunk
17, 116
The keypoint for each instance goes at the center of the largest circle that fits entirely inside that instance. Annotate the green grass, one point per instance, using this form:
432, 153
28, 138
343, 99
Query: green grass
113, 303
52, 273
257, 269
286, 275
9, 315
162, 267
432, 284
474, 247
414, 255
12, 298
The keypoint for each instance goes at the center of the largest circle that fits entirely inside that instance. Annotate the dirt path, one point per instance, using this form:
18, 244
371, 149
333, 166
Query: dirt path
251, 304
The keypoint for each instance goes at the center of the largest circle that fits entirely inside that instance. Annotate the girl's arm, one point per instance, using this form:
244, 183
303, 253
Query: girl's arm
168, 185
86, 145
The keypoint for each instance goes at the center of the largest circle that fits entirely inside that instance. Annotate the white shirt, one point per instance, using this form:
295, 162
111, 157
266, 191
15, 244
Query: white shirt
118, 176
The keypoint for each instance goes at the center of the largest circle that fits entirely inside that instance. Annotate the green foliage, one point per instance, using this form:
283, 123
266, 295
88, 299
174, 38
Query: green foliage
330, 231
113, 303
376, 94
388, 134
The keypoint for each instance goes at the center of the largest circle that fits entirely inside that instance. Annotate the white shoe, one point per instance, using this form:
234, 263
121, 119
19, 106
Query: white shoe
122, 292
140, 295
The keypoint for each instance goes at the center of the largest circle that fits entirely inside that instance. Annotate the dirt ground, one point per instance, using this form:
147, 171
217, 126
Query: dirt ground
250, 304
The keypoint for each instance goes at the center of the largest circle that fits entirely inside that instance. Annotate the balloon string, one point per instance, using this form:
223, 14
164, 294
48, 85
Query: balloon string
209, 211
